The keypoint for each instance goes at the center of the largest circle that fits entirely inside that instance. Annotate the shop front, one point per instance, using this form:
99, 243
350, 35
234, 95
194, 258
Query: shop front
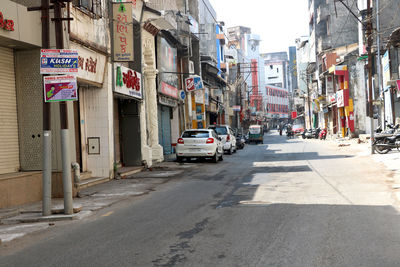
168, 95
92, 104
21, 96
127, 97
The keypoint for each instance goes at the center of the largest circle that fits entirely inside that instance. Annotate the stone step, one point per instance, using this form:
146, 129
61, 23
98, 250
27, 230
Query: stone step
127, 171
92, 181
86, 175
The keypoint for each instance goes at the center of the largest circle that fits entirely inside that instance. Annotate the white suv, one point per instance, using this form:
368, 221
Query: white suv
228, 137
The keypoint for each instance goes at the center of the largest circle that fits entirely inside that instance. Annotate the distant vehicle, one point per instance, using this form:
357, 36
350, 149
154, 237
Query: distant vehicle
196, 143
298, 128
228, 138
240, 141
256, 134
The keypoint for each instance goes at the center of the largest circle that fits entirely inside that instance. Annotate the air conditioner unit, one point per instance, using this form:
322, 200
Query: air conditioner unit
191, 67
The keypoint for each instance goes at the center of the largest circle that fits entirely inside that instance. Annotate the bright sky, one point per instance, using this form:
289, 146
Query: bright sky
278, 22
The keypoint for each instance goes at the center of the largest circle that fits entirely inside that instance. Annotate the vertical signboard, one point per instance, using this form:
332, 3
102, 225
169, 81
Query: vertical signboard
167, 64
123, 32
388, 95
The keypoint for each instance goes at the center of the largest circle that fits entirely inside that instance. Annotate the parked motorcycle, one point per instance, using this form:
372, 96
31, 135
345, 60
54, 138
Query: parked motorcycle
308, 134
316, 132
386, 141
322, 134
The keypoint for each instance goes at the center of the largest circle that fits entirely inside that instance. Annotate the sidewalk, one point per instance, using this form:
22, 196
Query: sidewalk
362, 147
23, 220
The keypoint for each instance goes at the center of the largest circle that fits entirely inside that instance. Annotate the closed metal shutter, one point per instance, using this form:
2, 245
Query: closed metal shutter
9, 148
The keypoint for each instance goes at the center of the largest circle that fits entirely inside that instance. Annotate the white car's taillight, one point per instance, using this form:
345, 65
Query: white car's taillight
180, 141
210, 141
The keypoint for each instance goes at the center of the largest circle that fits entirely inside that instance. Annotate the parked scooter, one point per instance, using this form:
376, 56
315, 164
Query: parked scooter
322, 134
386, 141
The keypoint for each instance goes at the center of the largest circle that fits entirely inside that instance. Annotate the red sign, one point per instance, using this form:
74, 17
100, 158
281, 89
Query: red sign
169, 90
6, 24
294, 114
190, 84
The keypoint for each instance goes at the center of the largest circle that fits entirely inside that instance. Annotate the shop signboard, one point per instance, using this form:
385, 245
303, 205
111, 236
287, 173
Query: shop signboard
340, 99
206, 96
58, 61
128, 82
194, 83
199, 96
91, 65
236, 108
398, 87
169, 90
136, 7
166, 101
167, 65
294, 114
123, 31
60, 88
6, 24
386, 70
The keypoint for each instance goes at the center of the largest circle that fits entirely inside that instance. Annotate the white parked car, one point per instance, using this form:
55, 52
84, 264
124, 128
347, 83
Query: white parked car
199, 143
228, 137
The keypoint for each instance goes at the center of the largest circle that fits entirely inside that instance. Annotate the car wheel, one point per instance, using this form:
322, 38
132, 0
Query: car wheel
179, 159
215, 157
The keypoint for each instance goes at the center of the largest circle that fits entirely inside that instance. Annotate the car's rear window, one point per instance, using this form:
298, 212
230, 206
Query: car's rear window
195, 134
220, 130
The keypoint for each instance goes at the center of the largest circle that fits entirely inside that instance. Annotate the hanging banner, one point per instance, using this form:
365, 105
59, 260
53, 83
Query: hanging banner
386, 70
123, 32
60, 88
58, 61
128, 82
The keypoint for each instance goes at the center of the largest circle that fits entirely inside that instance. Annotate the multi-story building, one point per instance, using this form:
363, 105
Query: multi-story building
276, 86
332, 38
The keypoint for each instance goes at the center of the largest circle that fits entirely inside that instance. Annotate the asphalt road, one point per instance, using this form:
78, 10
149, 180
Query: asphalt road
283, 203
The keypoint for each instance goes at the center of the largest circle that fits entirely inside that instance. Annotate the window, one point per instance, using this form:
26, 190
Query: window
195, 134
93, 6
328, 25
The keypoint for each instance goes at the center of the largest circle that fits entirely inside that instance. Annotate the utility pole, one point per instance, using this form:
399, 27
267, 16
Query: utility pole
369, 48
238, 91
46, 179
378, 42
66, 164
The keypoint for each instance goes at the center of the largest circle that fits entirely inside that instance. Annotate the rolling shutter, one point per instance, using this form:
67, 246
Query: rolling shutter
9, 148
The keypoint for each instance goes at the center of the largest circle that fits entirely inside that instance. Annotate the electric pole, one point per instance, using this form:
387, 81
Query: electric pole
369, 48
66, 164
238, 90
46, 179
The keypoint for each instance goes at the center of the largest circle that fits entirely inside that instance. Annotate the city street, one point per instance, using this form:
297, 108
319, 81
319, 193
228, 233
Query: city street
283, 203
